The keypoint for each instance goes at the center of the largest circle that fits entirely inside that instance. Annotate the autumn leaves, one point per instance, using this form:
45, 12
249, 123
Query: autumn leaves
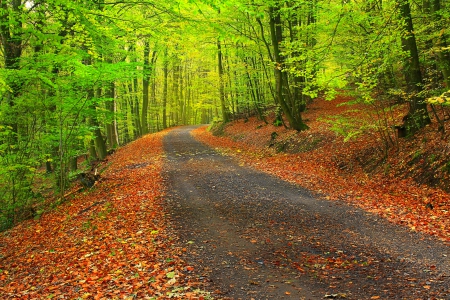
110, 242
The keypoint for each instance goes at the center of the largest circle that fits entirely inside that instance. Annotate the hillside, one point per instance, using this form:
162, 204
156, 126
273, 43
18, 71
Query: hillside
406, 182
112, 241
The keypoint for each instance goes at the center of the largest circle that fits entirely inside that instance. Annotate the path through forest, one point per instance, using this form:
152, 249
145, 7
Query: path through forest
249, 235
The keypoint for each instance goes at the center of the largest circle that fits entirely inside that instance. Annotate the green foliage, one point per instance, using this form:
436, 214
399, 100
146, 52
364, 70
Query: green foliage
217, 128
417, 154
443, 99
79, 74
348, 127
446, 167
18, 167
277, 123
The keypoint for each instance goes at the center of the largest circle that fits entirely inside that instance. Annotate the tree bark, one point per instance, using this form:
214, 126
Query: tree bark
136, 114
281, 84
11, 40
417, 115
165, 86
441, 43
145, 87
111, 126
221, 83
175, 91
98, 141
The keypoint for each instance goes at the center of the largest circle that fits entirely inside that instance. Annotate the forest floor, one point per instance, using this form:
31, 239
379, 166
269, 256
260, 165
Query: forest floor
407, 183
112, 241
171, 218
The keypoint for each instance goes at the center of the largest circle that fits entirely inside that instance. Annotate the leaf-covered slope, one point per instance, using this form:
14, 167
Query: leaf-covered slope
107, 243
354, 171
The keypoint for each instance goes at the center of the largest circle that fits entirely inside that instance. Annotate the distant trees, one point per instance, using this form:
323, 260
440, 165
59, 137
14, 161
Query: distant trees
367, 45
79, 78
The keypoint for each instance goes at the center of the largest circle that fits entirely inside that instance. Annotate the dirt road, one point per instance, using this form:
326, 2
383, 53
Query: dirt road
249, 235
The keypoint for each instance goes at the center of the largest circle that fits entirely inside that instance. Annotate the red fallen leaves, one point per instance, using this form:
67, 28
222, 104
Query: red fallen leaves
326, 264
400, 200
110, 242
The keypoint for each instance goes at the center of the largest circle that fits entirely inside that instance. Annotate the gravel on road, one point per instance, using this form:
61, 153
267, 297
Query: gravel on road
249, 235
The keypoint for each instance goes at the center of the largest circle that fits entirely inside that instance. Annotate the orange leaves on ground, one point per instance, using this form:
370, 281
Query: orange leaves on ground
109, 242
324, 163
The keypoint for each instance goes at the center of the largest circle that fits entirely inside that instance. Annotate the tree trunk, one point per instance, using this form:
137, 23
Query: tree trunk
175, 103
145, 85
124, 109
181, 97
92, 151
417, 115
221, 83
110, 126
441, 43
136, 114
253, 88
130, 99
99, 141
281, 84
165, 86
187, 96
11, 40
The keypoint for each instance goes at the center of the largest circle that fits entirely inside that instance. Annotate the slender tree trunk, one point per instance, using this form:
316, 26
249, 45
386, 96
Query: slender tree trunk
253, 88
145, 87
92, 151
110, 126
99, 141
418, 115
124, 109
165, 86
181, 96
221, 83
130, 99
186, 93
442, 43
188, 97
136, 114
11, 41
175, 91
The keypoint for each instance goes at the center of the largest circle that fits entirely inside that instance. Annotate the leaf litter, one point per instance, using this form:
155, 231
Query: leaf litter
109, 242
326, 164
114, 242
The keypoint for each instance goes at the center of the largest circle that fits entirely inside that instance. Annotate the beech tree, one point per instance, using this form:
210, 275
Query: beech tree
79, 78
418, 115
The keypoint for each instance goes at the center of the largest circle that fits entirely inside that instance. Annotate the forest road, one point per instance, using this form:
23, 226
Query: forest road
249, 235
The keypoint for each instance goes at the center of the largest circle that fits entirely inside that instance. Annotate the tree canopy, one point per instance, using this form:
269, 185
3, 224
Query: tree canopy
80, 78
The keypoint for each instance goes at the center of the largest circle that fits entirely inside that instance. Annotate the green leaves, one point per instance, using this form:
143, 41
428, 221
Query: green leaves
170, 275
47, 81
443, 99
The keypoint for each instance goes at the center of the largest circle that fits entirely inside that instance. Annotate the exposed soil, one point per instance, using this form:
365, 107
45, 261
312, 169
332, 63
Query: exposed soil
249, 235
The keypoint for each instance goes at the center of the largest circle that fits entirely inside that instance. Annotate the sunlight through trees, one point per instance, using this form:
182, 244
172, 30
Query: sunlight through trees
79, 78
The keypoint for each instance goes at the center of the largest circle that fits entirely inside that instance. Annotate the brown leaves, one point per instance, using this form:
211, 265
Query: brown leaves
108, 243
331, 168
